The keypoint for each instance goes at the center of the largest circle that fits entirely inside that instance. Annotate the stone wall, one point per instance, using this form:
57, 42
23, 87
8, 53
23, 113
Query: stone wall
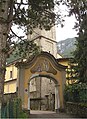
44, 96
77, 109
42, 103
35, 103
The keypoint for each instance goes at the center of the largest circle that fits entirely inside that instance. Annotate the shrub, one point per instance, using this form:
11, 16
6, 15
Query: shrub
13, 109
76, 93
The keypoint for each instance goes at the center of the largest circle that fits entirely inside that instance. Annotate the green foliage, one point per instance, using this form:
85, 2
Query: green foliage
13, 109
31, 14
26, 49
26, 15
36, 13
76, 93
81, 58
17, 109
79, 9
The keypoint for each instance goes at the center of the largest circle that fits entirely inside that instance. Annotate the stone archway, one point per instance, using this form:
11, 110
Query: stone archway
44, 65
57, 101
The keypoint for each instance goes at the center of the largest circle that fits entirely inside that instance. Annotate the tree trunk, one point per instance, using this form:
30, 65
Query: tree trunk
3, 39
4, 6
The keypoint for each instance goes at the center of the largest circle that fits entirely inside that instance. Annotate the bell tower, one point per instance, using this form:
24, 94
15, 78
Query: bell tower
45, 39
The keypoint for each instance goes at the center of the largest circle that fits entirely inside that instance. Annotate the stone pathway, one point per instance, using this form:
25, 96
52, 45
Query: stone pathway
49, 114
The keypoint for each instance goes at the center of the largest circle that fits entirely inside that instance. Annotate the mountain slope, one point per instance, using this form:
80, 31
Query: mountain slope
66, 47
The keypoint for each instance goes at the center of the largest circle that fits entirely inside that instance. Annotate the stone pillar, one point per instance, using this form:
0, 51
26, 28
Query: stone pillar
57, 101
29, 97
20, 83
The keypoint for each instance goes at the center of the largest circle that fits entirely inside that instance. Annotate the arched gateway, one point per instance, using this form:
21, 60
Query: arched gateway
42, 65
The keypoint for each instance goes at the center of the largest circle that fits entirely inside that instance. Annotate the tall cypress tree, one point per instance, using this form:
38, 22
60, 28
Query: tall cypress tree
79, 9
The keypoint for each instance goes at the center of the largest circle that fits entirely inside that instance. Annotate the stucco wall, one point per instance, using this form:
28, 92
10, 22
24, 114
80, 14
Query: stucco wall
10, 83
10, 87
14, 72
58, 77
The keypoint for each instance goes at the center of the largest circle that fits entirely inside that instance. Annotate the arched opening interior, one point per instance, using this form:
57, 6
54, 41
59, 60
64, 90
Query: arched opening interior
43, 93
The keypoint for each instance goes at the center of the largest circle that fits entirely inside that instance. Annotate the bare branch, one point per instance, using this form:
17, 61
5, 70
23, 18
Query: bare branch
20, 37
21, 3
11, 50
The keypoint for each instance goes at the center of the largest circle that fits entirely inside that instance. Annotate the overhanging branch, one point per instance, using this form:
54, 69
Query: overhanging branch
19, 37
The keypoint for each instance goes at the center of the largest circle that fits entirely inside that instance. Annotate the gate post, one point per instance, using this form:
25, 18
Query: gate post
57, 101
29, 97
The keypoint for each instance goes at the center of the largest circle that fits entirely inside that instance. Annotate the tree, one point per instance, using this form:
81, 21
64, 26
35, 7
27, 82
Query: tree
26, 14
79, 9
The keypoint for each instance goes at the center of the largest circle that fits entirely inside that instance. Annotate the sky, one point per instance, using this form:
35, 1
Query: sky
67, 31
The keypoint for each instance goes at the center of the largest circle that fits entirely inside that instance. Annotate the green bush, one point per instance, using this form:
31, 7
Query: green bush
76, 93
13, 109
